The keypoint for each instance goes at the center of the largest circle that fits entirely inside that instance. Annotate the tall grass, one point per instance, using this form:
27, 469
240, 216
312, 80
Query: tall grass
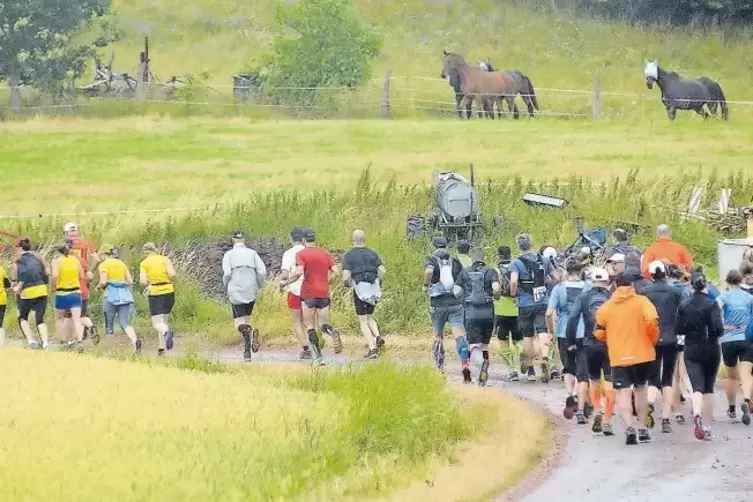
133, 432
381, 210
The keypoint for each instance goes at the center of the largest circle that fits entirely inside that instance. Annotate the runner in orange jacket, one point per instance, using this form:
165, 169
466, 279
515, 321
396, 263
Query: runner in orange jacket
628, 324
666, 250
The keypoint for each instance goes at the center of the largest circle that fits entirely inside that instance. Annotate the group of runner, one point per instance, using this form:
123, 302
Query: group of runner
647, 325
67, 278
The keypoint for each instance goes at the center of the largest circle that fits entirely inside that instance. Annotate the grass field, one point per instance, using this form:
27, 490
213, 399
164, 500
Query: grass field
176, 434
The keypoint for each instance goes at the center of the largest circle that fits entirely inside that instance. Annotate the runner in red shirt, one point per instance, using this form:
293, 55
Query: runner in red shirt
318, 270
87, 254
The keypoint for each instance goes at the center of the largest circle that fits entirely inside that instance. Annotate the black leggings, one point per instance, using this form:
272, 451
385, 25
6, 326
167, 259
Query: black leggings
664, 367
702, 370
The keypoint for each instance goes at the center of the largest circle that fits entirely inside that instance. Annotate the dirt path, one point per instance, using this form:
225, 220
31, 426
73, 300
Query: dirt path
603, 468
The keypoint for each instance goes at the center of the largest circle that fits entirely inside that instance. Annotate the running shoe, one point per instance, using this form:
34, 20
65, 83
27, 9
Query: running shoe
588, 410
707, 434
666, 428
305, 355
650, 422
679, 419
246, 355
137, 347
643, 436
732, 415
570, 406
86, 333
580, 417
554, 374
80, 347
545, 375
255, 343
698, 431
33, 345
318, 361
372, 354
598, 426
316, 351
746, 412
513, 376
70, 345
169, 342
631, 437
483, 374
380, 343
531, 374
682, 399
337, 343
160, 352
467, 375
94, 335
607, 429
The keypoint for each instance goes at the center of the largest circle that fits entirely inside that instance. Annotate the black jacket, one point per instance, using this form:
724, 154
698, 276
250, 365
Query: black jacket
700, 320
31, 271
586, 305
667, 300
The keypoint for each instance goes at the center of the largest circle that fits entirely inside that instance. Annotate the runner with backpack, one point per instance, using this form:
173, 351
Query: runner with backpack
597, 358
506, 314
441, 272
528, 275
481, 287
573, 360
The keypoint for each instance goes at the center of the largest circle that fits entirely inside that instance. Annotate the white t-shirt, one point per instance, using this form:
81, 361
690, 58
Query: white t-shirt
288, 263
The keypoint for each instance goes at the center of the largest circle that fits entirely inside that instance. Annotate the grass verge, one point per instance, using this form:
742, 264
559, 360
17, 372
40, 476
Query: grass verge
158, 433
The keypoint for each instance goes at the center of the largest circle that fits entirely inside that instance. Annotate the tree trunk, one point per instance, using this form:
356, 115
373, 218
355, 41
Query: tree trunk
14, 101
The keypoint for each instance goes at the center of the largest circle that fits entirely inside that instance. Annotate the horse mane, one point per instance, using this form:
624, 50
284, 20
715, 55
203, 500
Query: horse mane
672, 75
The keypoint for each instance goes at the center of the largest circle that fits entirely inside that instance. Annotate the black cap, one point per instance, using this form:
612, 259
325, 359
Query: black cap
309, 235
238, 234
440, 242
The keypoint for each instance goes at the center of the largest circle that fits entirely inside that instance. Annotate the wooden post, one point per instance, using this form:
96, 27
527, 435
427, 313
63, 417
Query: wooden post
386, 95
143, 80
597, 98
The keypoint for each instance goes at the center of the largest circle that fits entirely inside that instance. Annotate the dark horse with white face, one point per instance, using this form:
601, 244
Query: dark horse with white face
680, 94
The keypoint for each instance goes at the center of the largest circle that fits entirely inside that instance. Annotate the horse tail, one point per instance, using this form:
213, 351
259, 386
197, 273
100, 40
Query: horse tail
722, 102
530, 91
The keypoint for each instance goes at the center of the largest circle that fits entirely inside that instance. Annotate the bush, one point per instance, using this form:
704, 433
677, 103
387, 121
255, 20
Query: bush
330, 47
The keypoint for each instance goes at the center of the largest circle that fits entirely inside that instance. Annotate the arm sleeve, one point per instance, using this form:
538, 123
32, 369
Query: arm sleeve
571, 331
346, 262
226, 270
261, 270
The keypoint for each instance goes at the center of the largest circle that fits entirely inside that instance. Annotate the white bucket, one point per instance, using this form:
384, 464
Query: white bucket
730, 254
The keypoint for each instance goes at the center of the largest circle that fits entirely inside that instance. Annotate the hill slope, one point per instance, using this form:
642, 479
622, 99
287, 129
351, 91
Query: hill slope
223, 37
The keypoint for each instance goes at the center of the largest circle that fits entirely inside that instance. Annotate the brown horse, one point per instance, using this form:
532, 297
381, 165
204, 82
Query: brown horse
475, 83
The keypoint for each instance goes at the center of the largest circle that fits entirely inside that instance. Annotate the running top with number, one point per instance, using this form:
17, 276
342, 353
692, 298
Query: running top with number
540, 295
115, 270
737, 313
3, 293
69, 276
155, 268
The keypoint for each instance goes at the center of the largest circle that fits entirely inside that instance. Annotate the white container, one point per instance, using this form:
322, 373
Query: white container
730, 254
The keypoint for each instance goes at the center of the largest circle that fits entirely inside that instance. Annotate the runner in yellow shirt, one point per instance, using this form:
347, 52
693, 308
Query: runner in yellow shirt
115, 279
4, 285
67, 274
156, 273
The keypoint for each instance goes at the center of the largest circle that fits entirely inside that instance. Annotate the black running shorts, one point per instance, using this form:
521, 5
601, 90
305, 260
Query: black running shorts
242, 310
506, 327
532, 320
623, 377
362, 308
161, 304
597, 360
2, 314
316, 303
734, 352
702, 370
479, 331
573, 362
38, 305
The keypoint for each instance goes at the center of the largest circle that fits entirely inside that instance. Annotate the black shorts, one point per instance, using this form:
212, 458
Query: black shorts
38, 305
532, 320
2, 314
362, 308
734, 352
316, 303
161, 304
479, 331
702, 370
506, 327
597, 361
242, 309
573, 362
636, 375
664, 367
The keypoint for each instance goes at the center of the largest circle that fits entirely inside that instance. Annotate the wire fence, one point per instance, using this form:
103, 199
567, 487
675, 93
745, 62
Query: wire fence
391, 96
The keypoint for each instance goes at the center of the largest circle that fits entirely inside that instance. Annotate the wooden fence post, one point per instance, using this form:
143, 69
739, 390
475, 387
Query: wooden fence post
597, 98
386, 95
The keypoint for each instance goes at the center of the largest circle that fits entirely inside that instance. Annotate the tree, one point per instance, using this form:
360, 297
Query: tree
36, 43
321, 43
